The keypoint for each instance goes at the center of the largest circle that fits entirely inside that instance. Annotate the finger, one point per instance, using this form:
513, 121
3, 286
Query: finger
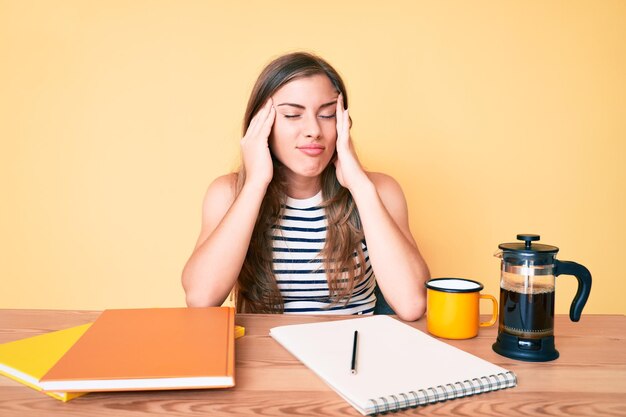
339, 115
252, 126
269, 111
343, 138
340, 104
260, 116
268, 123
346, 123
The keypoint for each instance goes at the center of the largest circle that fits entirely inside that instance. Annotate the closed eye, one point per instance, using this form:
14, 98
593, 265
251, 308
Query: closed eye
293, 116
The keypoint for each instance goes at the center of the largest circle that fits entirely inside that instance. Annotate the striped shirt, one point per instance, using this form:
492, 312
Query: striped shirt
297, 240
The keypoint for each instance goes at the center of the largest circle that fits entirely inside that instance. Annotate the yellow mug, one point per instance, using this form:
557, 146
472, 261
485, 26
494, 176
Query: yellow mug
453, 310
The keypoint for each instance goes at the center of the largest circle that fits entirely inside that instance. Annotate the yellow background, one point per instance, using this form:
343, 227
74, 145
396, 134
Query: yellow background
497, 118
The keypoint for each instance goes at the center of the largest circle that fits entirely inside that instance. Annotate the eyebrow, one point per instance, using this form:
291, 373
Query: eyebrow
300, 106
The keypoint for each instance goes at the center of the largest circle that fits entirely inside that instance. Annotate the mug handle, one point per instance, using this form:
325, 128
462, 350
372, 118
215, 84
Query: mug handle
494, 313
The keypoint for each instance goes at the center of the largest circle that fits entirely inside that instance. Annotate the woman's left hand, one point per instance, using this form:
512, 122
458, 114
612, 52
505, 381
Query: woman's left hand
349, 171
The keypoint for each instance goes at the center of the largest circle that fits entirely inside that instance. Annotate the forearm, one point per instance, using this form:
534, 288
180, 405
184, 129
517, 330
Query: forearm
213, 268
399, 267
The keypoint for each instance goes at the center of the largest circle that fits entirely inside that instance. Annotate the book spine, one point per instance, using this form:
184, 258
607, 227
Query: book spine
439, 393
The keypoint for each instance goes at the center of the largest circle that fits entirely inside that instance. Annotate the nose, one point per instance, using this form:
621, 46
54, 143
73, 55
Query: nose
312, 127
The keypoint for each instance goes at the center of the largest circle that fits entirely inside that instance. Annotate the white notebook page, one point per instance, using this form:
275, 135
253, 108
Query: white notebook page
393, 358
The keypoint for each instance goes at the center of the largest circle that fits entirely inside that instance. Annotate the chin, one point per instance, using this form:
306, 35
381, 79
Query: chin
306, 168
307, 172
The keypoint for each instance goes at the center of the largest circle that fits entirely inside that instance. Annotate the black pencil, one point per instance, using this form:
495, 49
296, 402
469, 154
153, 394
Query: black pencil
354, 345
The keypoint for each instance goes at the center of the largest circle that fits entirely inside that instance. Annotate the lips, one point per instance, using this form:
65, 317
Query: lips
311, 149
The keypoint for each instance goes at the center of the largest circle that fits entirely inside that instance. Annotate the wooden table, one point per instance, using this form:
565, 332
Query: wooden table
589, 379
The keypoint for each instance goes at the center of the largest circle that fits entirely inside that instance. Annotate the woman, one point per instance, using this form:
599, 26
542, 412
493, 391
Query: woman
302, 228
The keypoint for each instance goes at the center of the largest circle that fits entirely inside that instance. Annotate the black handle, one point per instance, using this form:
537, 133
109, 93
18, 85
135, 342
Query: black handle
583, 276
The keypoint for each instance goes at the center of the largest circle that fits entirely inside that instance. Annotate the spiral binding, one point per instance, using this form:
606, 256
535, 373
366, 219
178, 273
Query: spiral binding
459, 389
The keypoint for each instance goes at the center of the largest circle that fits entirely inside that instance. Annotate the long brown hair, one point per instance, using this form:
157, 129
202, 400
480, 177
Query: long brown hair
257, 290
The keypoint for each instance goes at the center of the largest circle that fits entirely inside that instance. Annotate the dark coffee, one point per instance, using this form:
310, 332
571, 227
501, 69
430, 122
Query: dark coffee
529, 316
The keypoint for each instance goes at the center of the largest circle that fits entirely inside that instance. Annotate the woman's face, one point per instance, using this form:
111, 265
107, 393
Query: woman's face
304, 133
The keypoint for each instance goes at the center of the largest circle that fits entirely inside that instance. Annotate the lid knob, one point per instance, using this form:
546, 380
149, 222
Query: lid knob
527, 238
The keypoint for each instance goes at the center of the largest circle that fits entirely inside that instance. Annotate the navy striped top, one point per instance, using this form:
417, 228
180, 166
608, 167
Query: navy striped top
298, 239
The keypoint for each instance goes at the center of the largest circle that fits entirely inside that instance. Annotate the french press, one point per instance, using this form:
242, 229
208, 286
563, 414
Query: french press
526, 322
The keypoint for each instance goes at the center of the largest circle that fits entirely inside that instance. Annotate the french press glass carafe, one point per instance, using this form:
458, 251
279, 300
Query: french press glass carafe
526, 322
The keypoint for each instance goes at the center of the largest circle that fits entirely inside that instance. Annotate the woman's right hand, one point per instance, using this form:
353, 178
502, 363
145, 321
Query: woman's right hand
257, 160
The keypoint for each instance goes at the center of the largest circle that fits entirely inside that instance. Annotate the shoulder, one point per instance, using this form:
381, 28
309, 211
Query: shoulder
223, 188
391, 195
386, 185
217, 200
219, 197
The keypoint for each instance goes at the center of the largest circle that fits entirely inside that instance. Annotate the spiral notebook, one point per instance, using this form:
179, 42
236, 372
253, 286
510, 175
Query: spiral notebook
397, 365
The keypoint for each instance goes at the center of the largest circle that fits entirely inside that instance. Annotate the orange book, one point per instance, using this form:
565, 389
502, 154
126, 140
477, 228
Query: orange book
148, 349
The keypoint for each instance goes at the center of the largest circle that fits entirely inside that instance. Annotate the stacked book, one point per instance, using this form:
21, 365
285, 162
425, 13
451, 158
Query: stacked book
129, 349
